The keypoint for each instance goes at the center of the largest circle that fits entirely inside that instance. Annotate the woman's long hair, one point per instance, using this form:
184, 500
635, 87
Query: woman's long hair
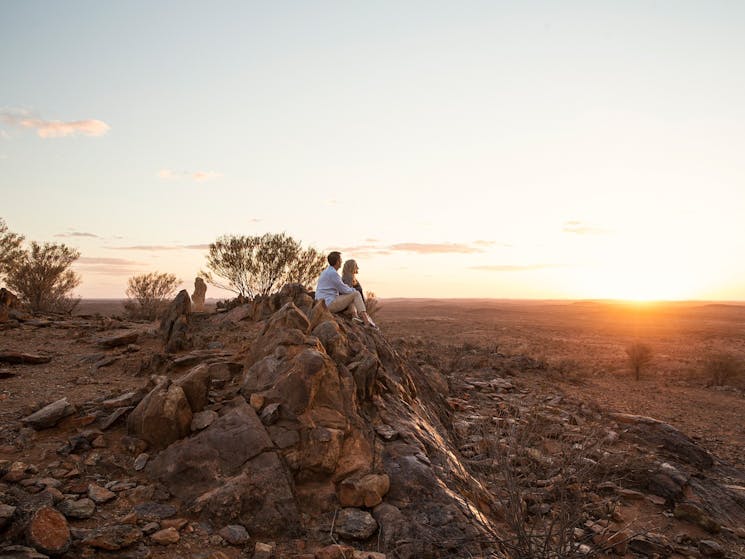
348, 272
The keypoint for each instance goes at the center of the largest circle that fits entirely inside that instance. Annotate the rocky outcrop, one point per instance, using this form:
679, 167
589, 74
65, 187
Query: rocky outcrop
320, 388
197, 298
174, 326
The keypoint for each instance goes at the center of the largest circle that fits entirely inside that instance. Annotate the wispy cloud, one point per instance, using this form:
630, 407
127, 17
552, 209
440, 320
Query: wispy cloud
515, 267
76, 234
159, 248
154, 248
371, 248
435, 248
363, 250
198, 176
107, 261
108, 266
577, 227
23, 118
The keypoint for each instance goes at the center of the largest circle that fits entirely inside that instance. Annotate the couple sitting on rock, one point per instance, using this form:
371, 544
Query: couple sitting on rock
343, 295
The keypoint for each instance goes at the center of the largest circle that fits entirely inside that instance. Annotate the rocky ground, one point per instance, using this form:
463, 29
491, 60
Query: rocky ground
278, 430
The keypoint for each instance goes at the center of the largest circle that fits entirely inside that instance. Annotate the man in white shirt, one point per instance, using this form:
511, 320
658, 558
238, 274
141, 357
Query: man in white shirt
338, 295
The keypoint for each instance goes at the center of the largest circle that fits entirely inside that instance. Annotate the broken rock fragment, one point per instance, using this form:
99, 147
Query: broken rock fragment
356, 524
50, 415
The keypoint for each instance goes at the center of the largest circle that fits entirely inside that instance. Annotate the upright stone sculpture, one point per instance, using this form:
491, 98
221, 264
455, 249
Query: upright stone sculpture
174, 326
197, 298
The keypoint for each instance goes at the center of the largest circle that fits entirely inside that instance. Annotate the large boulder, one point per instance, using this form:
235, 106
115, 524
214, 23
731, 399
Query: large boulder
191, 466
230, 472
162, 417
260, 497
196, 386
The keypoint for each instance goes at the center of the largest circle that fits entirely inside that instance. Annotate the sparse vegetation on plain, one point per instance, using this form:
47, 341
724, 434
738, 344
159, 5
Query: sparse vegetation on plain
722, 367
148, 294
253, 266
640, 355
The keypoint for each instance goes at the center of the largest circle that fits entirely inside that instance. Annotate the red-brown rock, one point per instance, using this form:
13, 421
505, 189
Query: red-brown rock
174, 326
196, 385
162, 417
48, 531
367, 491
113, 537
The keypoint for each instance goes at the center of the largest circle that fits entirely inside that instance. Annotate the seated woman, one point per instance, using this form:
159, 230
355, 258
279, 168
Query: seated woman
338, 296
349, 276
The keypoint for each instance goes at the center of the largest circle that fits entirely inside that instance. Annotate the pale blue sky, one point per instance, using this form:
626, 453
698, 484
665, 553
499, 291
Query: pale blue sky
503, 149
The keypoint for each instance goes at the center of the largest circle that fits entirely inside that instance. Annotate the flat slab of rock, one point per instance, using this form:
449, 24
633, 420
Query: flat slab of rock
18, 358
20, 552
154, 511
114, 416
50, 415
113, 537
117, 340
127, 399
235, 315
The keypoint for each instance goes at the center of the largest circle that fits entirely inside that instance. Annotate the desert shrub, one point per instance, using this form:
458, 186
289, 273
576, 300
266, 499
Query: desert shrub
10, 249
639, 356
722, 367
372, 303
568, 369
148, 294
547, 520
251, 266
42, 278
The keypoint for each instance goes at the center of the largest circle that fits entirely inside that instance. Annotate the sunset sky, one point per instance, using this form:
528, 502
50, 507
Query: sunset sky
507, 149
